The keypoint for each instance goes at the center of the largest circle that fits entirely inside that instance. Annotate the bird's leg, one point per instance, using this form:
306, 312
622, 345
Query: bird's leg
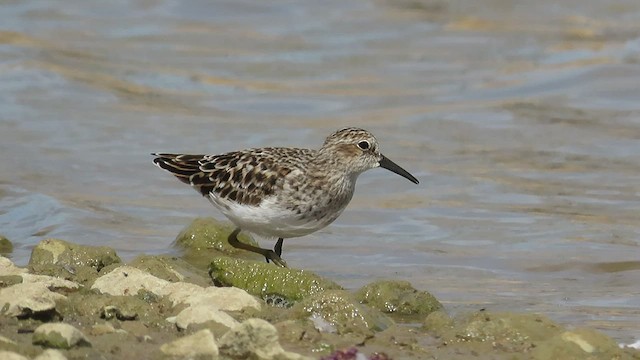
268, 254
278, 247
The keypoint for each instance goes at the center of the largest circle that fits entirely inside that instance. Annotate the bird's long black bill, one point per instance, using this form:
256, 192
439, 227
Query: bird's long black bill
391, 166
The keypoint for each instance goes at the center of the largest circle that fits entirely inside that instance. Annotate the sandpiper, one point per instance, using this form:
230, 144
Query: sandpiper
282, 192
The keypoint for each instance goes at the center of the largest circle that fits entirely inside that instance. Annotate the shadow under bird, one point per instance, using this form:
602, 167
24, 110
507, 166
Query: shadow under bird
281, 192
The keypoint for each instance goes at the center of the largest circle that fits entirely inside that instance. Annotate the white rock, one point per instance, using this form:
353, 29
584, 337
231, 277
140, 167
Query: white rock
49, 335
178, 291
7, 267
225, 298
127, 280
255, 339
8, 355
49, 281
200, 344
51, 354
27, 298
7, 340
201, 313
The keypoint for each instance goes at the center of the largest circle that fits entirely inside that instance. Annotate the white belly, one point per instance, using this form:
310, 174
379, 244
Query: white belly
270, 219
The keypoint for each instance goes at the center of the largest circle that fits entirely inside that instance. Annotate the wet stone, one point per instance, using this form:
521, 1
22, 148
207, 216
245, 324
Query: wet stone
206, 238
337, 311
268, 281
398, 297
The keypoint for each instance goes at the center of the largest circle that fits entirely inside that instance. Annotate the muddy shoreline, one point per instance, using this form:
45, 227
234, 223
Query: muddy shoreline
215, 302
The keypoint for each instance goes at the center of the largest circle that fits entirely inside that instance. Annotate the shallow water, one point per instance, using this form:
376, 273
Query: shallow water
520, 118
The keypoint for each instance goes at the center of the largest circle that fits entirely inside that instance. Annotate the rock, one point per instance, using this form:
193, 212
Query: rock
114, 312
66, 260
578, 344
59, 335
9, 355
200, 345
179, 291
172, 269
102, 329
225, 298
127, 280
7, 267
6, 247
202, 313
336, 310
254, 339
397, 297
206, 238
8, 280
438, 322
149, 309
11, 275
268, 281
51, 354
24, 300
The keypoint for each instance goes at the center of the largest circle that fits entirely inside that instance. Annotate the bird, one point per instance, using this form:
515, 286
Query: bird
282, 192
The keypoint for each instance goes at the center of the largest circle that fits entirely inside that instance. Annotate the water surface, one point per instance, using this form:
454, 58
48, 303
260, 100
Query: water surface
520, 118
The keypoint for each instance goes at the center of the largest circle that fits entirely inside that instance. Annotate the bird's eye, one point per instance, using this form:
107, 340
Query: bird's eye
364, 145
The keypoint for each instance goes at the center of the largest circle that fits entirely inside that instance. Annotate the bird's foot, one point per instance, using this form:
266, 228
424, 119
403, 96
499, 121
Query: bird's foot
271, 255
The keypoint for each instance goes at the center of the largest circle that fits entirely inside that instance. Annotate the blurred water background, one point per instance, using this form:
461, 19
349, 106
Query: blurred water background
520, 118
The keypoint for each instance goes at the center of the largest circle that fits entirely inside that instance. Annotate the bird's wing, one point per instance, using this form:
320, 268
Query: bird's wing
245, 177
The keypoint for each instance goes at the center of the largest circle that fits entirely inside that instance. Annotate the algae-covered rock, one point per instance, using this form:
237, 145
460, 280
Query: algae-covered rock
510, 331
438, 322
6, 247
254, 339
59, 336
266, 280
206, 238
397, 297
200, 345
578, 344
336, 310
71, 261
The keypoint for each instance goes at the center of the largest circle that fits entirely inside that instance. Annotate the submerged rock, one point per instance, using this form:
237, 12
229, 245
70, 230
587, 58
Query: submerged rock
516, 332
72, 261
254, 339
200, 345
59, 335
205, 238
268, 281
397, 297
578, 344
336, 311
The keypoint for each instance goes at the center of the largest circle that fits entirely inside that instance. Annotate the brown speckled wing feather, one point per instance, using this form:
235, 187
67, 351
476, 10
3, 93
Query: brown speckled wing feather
245, 177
